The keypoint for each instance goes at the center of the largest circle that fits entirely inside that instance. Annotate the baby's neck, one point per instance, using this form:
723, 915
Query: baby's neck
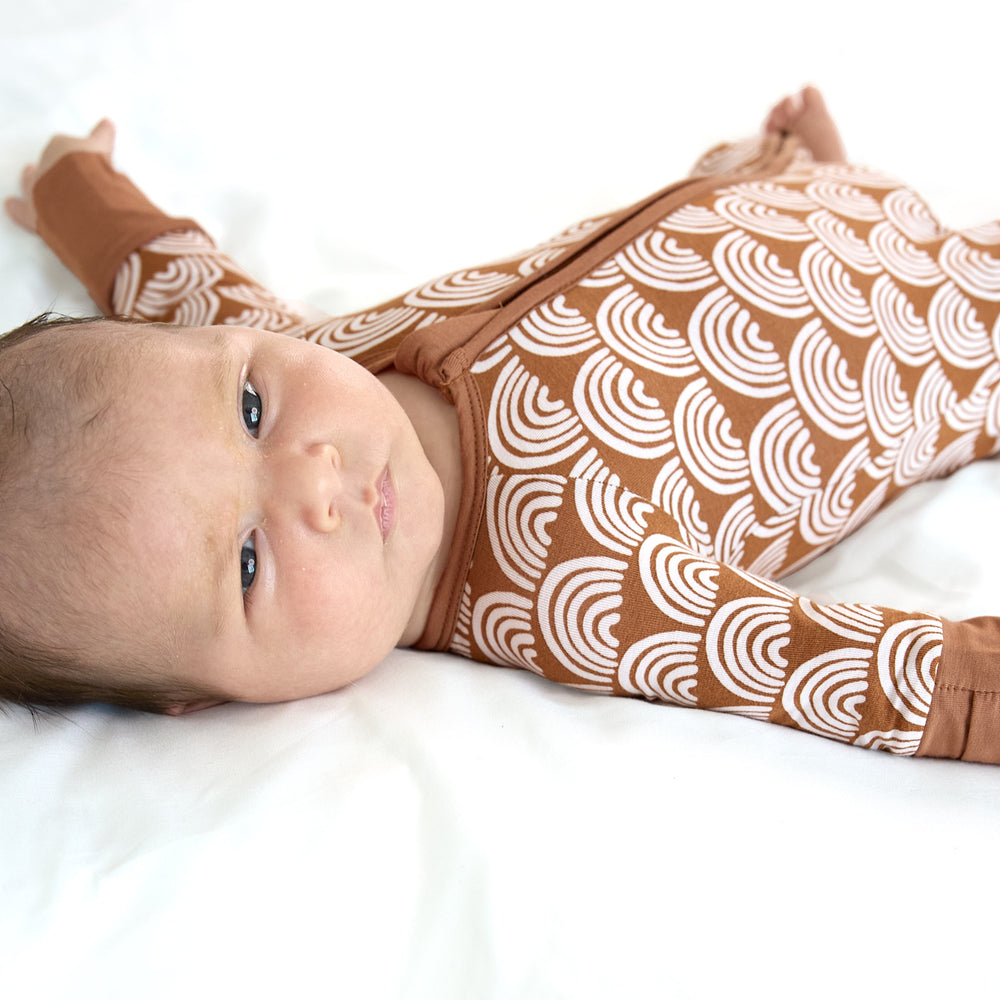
436, 425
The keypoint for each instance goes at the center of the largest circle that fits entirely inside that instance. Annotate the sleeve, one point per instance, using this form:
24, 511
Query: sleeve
666, 622
139, 262
616, 602
593, 587
91, 217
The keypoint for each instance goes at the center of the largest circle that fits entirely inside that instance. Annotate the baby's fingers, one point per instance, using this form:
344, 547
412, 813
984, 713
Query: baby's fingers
100, 139
103, 134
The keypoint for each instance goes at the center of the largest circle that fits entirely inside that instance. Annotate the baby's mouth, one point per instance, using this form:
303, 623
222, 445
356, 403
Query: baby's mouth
385, 509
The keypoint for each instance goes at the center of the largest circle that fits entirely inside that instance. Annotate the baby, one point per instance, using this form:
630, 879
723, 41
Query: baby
590, 460
171, 499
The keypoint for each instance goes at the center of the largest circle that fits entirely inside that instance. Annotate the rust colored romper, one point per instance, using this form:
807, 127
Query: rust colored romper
662, 412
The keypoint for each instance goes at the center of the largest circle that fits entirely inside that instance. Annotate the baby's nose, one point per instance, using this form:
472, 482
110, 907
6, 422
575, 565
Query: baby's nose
314, 483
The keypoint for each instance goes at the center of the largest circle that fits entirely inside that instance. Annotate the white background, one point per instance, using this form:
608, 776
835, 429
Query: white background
444, 830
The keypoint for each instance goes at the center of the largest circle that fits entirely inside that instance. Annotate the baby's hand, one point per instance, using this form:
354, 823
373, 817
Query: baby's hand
101, 140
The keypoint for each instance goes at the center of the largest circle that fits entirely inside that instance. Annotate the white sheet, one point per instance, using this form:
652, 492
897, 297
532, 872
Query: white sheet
442, 829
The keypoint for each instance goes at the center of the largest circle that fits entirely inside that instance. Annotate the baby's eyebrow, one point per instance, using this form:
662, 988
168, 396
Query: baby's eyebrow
225, 555
222, 365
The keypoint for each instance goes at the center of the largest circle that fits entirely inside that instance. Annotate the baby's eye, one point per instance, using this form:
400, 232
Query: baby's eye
252, 406
248, 564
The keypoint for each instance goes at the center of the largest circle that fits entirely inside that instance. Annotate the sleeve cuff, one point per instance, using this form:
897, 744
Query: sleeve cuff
93, 217
964, 720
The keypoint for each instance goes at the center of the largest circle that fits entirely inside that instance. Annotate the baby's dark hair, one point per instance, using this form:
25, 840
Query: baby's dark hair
51, 653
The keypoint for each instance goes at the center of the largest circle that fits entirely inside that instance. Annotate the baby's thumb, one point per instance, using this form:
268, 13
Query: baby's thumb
18, 211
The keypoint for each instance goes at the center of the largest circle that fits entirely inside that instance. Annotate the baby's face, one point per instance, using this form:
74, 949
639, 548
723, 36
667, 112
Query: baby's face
285, 519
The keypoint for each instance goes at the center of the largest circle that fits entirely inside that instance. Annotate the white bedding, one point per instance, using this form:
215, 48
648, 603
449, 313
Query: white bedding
442, 829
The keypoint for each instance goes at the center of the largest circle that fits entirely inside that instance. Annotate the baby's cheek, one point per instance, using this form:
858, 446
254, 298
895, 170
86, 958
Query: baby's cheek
324, 611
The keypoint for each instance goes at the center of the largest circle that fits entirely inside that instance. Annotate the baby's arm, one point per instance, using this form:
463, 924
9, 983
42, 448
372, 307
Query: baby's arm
100, 225
137, 261
89, 215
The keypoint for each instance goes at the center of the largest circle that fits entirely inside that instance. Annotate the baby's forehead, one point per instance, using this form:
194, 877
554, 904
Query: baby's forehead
103, 360
79, 352
92, 404
66, 398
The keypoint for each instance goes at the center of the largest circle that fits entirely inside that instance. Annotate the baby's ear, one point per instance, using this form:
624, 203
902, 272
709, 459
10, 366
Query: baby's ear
192, 706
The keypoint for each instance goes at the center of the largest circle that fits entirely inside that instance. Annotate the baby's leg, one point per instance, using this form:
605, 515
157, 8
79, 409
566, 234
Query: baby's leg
805, 116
